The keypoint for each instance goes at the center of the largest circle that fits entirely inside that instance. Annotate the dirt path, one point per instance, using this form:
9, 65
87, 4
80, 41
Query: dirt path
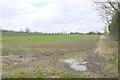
107, 51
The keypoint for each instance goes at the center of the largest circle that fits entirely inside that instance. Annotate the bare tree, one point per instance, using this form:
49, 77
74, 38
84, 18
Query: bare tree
107, 10
27, 30
110, 13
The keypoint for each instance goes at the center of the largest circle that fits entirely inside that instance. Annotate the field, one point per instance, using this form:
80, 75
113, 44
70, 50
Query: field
50, 56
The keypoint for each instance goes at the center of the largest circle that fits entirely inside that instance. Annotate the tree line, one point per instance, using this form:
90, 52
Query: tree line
27, 31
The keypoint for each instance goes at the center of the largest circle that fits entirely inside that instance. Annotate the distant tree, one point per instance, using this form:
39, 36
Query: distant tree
91, 33
72, 33
99, 33
35, 32
27, 30
5, 30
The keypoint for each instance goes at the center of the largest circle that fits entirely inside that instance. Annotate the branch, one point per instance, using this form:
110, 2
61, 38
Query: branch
114, 7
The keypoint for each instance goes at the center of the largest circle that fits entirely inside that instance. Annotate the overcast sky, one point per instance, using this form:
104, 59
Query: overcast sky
50, 15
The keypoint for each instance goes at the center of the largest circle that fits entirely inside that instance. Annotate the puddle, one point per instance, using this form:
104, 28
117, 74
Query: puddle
85, 62
76, 65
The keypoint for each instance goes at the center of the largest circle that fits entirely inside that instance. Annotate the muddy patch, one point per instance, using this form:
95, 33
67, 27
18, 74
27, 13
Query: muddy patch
76, 65
94, 66
13, 60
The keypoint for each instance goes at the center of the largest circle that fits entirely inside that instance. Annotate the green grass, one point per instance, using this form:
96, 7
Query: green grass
45, 38
23, 75
57, 37
17, 44
68, 75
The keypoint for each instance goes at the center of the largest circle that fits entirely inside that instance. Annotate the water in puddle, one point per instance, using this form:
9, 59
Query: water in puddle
76, 65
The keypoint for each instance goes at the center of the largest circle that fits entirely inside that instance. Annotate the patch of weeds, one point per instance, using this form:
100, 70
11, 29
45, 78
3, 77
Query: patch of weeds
112, 44
54, 73
23, 75
51, 74
40, 76
68, 75
111, 66
38, 73
89, 74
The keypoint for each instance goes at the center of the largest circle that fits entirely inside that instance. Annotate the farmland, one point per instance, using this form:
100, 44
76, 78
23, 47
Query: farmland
43, 56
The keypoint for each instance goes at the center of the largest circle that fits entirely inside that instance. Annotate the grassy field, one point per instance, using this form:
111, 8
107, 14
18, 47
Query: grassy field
42, 56
44, 38
47, 40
